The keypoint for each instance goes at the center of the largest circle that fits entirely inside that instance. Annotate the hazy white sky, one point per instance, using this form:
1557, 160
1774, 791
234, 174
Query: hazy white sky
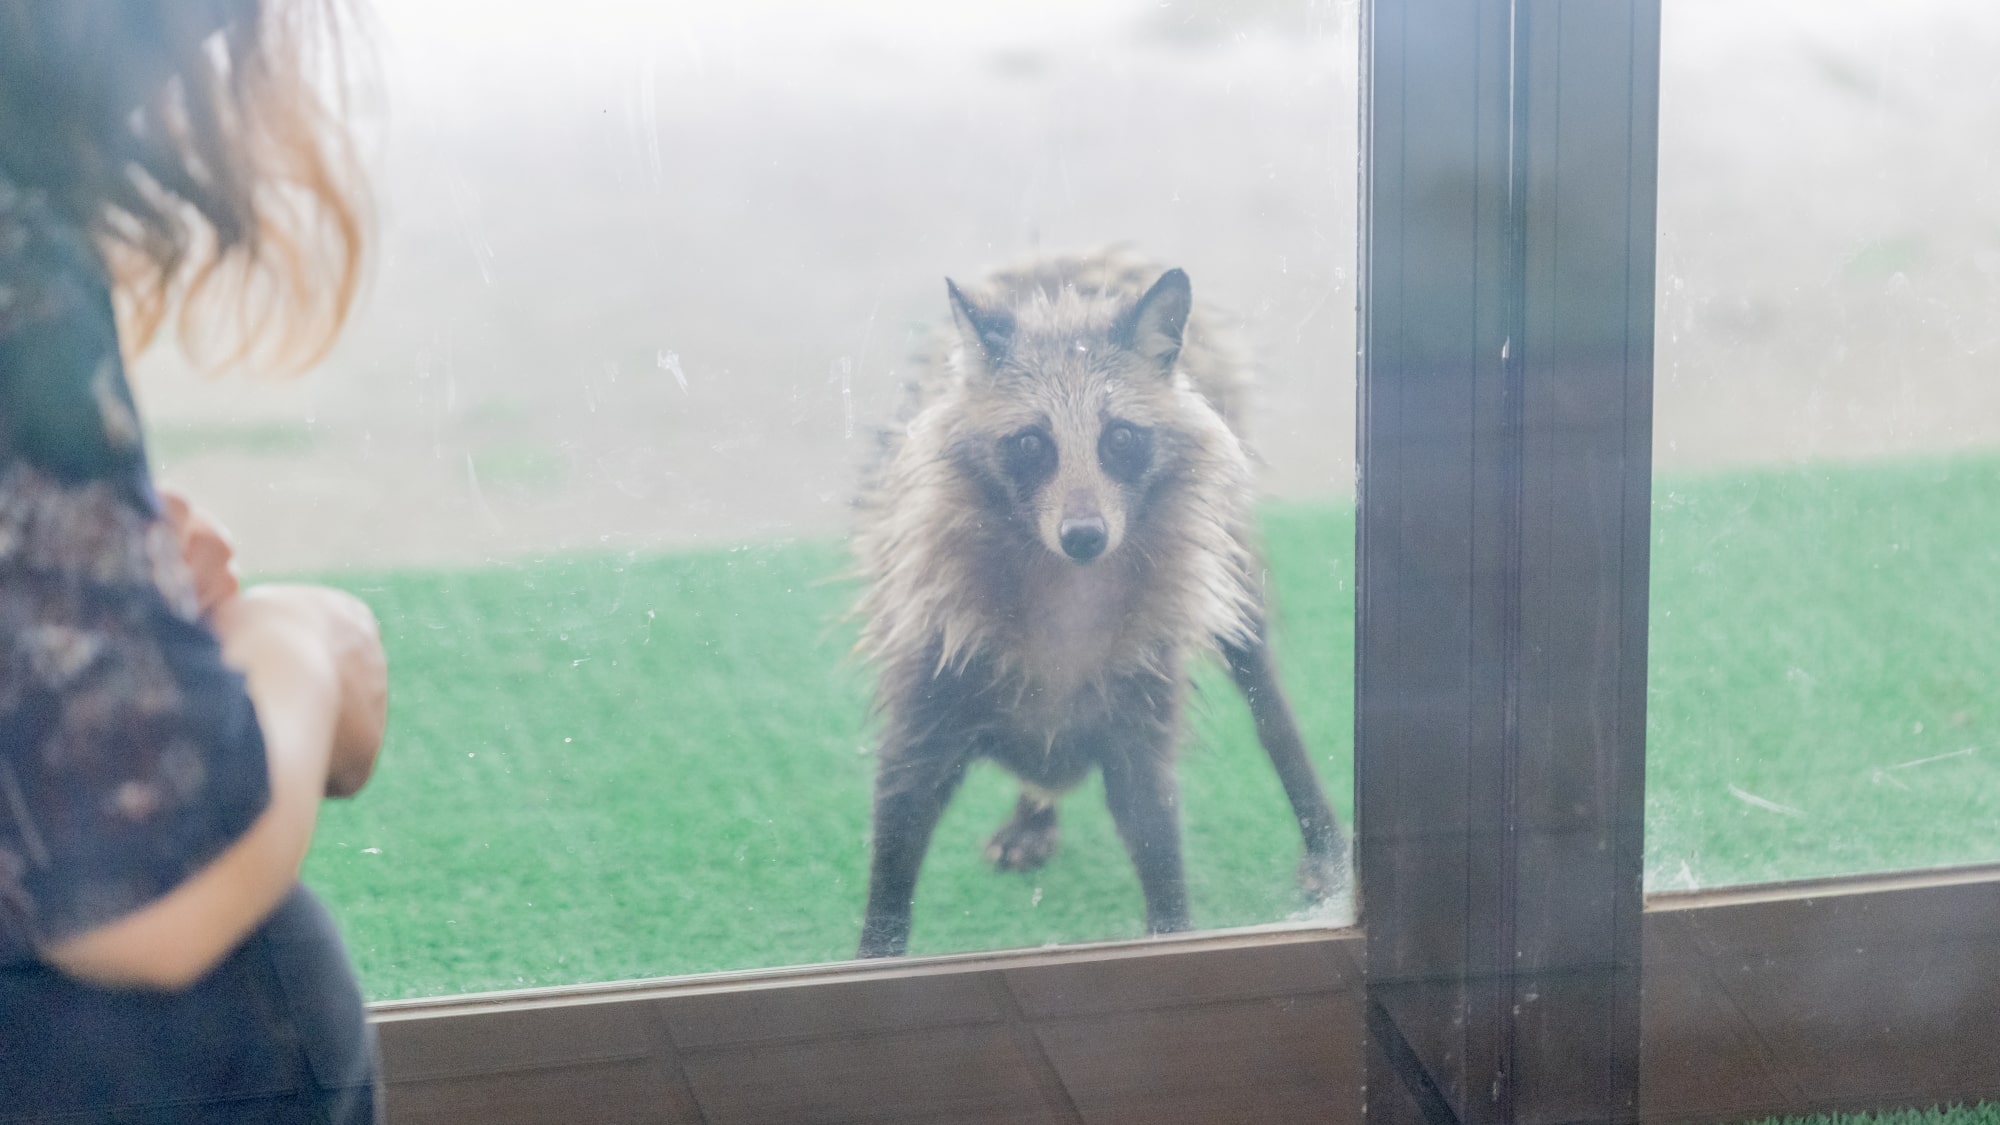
431, 24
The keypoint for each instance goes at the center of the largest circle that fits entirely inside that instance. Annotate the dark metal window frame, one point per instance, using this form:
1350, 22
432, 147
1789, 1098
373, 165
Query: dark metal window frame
1509, 968
1505, 461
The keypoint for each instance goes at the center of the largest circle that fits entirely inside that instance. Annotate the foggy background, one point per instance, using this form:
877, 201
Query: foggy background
648, 272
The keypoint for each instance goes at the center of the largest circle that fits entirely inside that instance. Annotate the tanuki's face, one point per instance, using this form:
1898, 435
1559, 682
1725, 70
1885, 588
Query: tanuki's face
1069, 422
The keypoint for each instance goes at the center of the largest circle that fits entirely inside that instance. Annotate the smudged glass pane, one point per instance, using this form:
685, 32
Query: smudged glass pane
650, 283
1828, 443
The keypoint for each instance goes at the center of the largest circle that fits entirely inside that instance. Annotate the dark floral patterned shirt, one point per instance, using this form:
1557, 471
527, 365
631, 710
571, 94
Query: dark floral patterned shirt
129, 754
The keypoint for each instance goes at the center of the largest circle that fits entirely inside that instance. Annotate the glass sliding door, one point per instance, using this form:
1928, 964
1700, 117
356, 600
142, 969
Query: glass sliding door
1828, 448
652, 283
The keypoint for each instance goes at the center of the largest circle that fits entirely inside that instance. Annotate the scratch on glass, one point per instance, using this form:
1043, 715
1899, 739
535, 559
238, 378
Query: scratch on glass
1764, 803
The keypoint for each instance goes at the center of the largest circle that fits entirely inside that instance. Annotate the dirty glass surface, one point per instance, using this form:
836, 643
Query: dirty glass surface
1827, 454
648, 286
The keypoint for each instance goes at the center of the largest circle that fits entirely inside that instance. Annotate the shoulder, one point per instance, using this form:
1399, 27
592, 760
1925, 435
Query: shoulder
64, 403
75, 496
47, 264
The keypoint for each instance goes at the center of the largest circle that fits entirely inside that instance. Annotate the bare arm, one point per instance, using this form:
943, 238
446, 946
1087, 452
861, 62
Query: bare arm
315, 675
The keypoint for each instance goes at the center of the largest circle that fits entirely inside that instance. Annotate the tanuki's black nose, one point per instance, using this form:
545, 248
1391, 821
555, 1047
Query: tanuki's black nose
1084, 540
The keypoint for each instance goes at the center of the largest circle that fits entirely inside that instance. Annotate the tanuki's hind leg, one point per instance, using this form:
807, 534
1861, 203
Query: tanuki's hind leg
1027, 841
1323, 873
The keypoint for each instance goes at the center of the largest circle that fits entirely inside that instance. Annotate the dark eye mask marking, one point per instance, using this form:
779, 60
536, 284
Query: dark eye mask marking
1028, 457
1125, 451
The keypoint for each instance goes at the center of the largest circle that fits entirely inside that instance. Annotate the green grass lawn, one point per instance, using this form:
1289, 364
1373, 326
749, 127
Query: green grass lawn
611, 767
1824, 672
1980, 1113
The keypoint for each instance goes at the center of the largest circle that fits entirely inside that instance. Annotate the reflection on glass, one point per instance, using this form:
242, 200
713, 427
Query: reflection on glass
652, 284
1825, 595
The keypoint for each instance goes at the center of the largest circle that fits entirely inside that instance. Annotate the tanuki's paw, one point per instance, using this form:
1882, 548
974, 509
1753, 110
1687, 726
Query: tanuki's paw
1325, 878
1027, 841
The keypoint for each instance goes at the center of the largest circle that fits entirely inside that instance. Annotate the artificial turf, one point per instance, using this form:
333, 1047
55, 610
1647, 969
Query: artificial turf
1979, 1113
605, 767
1824, 672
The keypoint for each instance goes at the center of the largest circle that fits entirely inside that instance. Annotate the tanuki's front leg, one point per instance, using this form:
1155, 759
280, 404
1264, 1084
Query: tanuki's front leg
1144, 798
910, 796
1323, 869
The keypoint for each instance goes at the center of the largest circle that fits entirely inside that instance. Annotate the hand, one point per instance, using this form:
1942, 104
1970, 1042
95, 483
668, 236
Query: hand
314, 668
342, 628
205, 548
364, 694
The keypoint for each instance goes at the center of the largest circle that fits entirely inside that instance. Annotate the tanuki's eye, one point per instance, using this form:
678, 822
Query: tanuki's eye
1029, 456
1125, 451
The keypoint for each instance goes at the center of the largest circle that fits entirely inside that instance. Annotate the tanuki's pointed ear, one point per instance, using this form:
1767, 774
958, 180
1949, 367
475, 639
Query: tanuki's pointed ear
988, 333
1153, 327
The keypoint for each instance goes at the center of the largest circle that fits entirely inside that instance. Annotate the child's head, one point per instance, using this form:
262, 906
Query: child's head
195, 141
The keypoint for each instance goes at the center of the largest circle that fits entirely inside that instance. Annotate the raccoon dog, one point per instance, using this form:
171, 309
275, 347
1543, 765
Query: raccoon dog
1061, 526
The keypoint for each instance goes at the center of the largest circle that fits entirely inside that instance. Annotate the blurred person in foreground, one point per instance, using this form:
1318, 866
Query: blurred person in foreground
165, 739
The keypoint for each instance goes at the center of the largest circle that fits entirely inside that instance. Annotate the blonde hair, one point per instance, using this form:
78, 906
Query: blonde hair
198, 142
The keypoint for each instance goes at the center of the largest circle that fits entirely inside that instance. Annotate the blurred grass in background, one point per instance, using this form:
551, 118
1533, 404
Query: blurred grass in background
1980, 1113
